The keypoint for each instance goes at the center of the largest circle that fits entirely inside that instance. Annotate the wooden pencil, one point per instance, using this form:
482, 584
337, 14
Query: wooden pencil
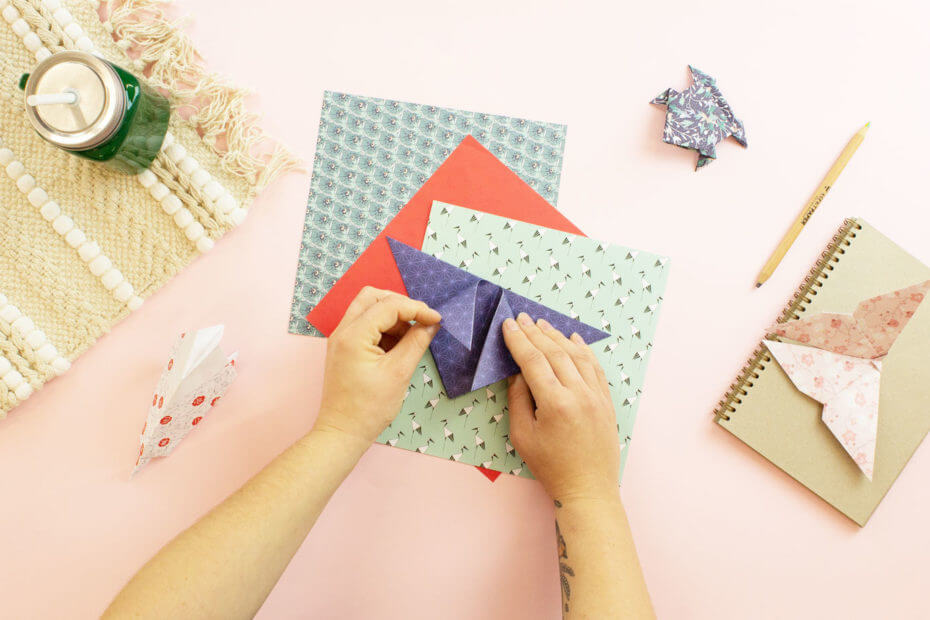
769, 268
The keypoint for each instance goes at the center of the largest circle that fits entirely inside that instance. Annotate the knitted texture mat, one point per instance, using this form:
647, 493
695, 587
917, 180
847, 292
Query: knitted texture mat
82, 246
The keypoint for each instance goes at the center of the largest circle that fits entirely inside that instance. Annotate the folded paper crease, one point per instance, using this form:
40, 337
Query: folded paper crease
469, 349
194, 378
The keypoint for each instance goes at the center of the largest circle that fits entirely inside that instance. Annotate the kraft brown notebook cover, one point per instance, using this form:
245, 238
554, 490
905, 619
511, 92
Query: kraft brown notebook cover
765, 410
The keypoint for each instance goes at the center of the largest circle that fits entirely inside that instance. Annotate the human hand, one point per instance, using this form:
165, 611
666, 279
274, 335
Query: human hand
370, 358
562, 420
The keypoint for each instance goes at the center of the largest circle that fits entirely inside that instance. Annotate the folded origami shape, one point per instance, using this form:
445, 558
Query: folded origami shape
842, 366
196, 375
469, 349
471, 176
699, 117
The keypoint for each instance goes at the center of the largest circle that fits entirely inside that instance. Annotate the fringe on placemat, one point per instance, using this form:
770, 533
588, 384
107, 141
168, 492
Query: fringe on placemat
167, 57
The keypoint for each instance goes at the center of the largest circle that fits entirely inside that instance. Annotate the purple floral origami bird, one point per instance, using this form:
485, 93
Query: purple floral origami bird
469, 348
699, 117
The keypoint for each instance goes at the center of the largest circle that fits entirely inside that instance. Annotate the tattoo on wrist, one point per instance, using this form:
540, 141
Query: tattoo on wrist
565, 571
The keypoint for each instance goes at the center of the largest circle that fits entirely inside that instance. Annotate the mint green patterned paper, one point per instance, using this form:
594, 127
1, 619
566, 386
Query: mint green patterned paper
372, 155
611, 287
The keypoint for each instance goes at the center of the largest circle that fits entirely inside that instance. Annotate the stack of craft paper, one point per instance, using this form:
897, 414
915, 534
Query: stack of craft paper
612, 288
699, 118
372, 156
194, 378
530, 249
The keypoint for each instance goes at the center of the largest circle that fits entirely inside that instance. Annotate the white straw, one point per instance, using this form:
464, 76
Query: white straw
68, 97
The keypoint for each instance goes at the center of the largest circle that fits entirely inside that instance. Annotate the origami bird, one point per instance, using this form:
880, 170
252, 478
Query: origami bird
196, 375
699, 117
839, 364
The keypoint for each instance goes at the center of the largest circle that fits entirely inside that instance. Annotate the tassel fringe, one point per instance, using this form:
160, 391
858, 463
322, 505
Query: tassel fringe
166, 56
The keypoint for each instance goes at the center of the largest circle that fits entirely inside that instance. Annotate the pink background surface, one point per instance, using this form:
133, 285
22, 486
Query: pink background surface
721, 532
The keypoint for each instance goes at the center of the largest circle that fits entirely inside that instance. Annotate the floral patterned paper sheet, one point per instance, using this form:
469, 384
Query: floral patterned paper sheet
699, 117
611, 287
469, 350
373, 155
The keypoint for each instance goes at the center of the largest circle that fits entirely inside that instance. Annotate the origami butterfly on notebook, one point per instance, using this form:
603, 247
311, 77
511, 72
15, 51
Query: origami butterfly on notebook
839, 363
469, 350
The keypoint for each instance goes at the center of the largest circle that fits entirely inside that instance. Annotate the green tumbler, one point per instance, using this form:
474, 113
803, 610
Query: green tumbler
96, 110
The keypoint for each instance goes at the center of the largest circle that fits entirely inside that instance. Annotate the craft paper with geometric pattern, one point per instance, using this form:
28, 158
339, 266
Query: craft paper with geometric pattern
841, 367
614, 288
194, 378
469, 350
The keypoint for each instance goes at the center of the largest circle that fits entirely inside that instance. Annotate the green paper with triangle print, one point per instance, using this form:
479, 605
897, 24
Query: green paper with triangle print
608, 286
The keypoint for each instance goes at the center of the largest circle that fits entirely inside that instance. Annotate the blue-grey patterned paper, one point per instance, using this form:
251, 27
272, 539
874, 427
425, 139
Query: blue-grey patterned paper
373, 154
699, 117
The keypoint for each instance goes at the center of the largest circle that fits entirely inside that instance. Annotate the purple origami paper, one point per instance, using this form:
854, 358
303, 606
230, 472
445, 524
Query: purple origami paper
469, 349
699, 117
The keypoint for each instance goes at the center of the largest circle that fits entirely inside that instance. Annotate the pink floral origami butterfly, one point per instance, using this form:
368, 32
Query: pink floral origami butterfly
839, 363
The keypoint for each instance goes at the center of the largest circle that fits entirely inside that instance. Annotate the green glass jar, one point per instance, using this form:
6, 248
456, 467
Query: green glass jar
96, 110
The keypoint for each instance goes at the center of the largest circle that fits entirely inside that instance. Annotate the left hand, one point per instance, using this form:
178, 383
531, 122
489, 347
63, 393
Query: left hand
370, 358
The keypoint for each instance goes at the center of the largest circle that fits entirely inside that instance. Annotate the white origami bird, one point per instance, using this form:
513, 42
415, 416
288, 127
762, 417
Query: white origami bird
196, 375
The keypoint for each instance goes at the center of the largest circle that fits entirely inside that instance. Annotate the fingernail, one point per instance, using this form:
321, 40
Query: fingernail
543, 324
524, 319
578, 339
432, 329
510, 324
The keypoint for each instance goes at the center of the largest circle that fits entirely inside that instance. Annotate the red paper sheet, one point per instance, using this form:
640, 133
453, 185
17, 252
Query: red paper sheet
470, 177
492, 474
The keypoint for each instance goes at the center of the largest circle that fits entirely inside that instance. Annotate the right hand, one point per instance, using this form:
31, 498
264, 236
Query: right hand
562, 420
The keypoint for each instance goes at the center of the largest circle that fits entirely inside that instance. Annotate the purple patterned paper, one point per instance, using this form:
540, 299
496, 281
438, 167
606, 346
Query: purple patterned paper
469, 349
699, 118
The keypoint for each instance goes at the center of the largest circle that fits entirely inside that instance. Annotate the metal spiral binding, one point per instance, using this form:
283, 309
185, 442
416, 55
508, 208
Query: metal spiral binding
798, 304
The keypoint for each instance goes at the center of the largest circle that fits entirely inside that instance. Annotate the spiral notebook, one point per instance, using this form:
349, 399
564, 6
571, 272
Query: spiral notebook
765, 410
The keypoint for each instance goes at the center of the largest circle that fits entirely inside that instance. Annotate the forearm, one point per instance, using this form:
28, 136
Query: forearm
599, 571
226, 564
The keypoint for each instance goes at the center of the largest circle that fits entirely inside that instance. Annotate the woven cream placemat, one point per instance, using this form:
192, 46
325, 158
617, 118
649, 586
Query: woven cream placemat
81, 246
